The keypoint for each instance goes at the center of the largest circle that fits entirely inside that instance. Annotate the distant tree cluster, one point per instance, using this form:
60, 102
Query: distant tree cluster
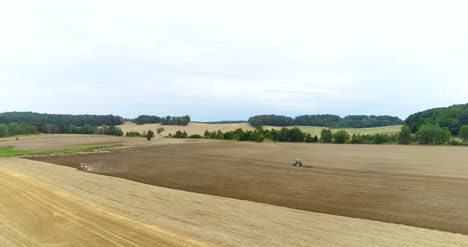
363, 121
326, 120
146, 134
12, 129
451, 118
59, 119
146, 119
323, 120
342, 136
272, 120
133, 134
432, 134
102, 130
180, 134
378, 138
183, 120
260, 135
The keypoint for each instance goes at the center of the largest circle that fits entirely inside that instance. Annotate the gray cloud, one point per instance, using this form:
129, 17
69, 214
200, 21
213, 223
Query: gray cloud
216, 60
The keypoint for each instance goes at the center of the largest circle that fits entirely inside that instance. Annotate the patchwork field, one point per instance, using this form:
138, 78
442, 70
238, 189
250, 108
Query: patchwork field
412, 185
64, 207
350, 197
199, 128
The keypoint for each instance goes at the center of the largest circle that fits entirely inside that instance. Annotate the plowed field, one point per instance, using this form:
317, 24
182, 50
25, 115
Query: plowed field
412, 185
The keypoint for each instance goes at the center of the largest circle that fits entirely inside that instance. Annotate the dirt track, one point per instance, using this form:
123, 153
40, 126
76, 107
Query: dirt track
33, 213
218, 220
372, 186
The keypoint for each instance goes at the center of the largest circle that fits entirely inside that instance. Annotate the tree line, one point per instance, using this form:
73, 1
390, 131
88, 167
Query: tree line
12, 129
297, 135
86, 129
326, 120
60, 119
287, 135
146, 119
429, 134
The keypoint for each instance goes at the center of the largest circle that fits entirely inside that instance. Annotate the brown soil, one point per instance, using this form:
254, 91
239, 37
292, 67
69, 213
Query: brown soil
398, 184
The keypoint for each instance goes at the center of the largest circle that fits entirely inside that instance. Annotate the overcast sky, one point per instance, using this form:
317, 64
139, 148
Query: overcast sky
228, 60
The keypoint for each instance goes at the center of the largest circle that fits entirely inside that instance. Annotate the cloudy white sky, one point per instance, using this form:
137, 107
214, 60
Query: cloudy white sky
228, 60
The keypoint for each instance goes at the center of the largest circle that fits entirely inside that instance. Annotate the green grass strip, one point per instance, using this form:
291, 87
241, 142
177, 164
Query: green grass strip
11, 151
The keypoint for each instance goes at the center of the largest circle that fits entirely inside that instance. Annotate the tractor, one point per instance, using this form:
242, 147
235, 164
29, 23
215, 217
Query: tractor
298, 163
82, 167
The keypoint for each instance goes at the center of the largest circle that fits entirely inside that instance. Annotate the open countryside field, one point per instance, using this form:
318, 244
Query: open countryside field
48, 142
422, 186
199, 128
93, 210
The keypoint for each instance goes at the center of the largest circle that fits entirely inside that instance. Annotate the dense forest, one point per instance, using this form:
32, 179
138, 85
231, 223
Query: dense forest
12, 129
326, 120
452, 118
145, 119
59, 119
24, 123
363, 121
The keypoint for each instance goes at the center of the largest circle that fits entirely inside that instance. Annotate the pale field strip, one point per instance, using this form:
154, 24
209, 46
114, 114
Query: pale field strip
199, 128
223, 221
34, 213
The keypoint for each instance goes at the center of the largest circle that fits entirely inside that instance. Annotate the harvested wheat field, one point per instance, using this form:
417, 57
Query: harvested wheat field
191, 128
412, 185
200, 128
34, 213
64, 207
48, 142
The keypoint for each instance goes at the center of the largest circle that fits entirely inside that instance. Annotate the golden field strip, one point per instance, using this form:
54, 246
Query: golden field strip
199, 128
